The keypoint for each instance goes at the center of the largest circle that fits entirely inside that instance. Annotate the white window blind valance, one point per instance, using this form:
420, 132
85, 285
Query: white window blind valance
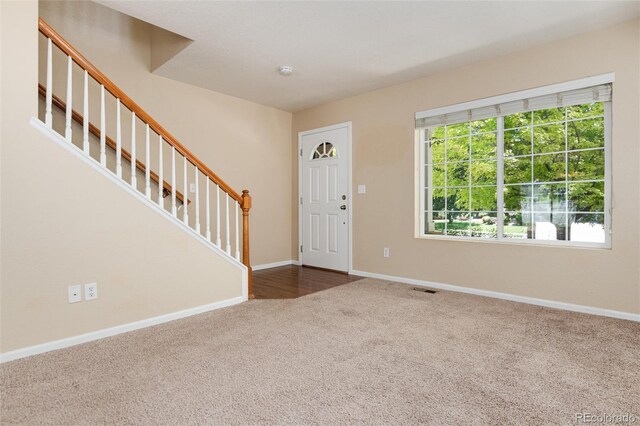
506, 105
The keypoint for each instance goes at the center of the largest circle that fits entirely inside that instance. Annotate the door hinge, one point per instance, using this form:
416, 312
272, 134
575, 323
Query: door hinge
300, 249
300, 152
300, 200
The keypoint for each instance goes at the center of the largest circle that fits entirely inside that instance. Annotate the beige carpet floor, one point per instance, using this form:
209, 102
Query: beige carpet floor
369, 352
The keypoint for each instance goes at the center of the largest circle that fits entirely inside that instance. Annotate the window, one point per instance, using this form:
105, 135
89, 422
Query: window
324, 150
532, 169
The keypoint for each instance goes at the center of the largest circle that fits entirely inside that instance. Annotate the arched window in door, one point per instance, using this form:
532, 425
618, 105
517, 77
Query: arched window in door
324, 150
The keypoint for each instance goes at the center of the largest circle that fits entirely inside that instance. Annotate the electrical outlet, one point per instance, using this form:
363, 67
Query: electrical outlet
90, 291
75, 293
192, 187
385, 252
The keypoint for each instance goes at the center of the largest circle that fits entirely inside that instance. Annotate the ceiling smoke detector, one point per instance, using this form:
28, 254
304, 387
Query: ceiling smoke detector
285, 70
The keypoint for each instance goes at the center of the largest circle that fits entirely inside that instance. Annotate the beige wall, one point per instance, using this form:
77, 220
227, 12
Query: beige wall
383, 159
244, 143
62, 223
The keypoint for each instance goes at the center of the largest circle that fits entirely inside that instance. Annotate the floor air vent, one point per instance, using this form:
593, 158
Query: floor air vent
425, 290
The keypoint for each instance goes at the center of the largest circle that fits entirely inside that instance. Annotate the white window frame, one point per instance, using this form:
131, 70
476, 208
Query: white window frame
420, 183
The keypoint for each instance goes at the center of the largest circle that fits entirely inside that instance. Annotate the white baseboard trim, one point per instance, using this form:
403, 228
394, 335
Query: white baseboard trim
112, 331
273, 265
506, 296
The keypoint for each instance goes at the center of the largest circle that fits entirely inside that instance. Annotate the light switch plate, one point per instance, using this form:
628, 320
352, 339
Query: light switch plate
75, 293
362, 189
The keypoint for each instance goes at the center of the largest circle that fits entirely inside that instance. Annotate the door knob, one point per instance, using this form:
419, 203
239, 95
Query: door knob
343, 207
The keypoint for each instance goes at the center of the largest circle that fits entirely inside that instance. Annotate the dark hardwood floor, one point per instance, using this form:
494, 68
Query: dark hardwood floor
290, 282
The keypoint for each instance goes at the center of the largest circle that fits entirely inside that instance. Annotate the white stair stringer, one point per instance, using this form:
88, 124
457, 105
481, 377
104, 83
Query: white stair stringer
95, 165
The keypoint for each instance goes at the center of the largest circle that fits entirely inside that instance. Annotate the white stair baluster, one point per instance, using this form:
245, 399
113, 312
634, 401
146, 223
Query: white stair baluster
160, 174
134, 180
48, 117
218, 241
237, 235
208, 213
197, 202
185, 205
85, 119
103, 130
174, 210
228, 248
67, 129
147, 169
118, 141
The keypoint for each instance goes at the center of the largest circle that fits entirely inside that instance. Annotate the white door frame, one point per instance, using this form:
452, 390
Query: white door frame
348, 126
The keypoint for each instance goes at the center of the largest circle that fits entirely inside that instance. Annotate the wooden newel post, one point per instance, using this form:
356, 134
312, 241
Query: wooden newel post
246, 206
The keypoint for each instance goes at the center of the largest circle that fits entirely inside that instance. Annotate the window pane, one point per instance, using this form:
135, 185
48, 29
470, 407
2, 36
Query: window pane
457, 199
586, 197
457, 225
586, 133
560, 221
455, 130
587, 228
517, 170
439, 216
517, 120
437, 197
458, 174
436, 172
484, 224
484, 172
585, 110
549, 138
548, 115
484, 146
549, 168
517, 142
516, 224
484, 198
435, 151
458, 149
435, 222
436, 133
517, 197
483, 126
553, 224
550, 197
544, 227
586, 165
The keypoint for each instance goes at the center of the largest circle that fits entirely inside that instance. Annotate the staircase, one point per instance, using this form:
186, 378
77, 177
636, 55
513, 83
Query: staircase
207, 206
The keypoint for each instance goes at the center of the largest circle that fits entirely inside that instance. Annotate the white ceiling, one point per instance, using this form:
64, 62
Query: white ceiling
340, 49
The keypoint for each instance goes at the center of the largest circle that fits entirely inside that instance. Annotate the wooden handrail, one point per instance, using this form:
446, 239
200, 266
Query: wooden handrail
94, 72
243, 200
78, 118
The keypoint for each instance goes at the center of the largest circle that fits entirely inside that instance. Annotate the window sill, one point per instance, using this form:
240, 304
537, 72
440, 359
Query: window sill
518, 242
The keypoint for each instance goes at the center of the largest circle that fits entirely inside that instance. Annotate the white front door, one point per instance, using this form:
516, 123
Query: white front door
324, 196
